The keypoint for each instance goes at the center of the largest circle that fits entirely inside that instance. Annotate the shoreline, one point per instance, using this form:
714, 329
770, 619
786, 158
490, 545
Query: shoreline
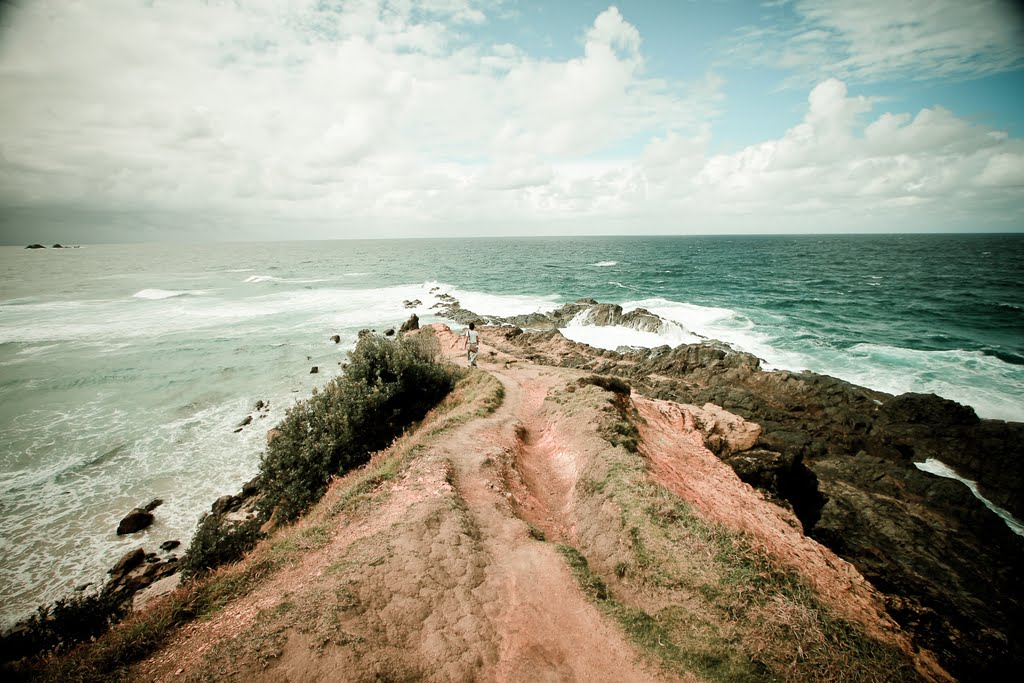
770, 467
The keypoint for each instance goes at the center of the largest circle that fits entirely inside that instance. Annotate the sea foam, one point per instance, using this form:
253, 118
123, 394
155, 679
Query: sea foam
939, 468
157, 294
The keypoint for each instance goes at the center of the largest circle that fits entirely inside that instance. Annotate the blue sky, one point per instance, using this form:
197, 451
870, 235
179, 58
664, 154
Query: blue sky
126, 120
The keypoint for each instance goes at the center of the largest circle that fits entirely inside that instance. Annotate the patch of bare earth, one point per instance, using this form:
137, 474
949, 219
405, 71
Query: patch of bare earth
430, 576
518, 543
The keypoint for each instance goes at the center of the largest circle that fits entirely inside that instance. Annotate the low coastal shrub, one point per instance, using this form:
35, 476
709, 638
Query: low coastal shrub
218, 541
66, 622
387, 386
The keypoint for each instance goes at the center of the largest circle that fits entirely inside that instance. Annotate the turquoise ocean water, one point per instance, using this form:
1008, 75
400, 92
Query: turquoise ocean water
124, 370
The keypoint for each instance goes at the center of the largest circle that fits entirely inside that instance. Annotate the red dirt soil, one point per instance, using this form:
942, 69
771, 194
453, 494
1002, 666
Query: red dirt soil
444, 578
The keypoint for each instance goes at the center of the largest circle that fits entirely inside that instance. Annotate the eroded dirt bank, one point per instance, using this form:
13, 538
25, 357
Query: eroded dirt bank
541, 526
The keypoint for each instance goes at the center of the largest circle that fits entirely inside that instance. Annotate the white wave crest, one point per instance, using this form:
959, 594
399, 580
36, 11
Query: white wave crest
941, 469
605, 264
157, 294
292, 281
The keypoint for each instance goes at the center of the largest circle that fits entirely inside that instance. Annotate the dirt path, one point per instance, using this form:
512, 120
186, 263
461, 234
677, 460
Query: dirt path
452, 566
550, 631
442, 581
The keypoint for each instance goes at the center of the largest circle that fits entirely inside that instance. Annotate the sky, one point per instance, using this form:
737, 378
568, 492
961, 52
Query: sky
186, 120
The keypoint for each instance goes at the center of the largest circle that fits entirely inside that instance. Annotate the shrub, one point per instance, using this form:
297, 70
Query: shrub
66, 622
218, 541
386, 387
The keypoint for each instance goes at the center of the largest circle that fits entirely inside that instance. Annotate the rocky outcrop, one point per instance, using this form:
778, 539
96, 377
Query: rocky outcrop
842, 457
138, 519
413, 323
35, 246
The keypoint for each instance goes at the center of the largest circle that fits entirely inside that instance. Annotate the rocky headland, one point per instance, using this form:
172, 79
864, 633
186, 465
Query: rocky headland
843, 459
638, 514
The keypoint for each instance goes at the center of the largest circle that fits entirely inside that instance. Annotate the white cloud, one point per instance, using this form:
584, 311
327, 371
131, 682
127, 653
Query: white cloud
307, 109
875, 40
393, 117
834, 163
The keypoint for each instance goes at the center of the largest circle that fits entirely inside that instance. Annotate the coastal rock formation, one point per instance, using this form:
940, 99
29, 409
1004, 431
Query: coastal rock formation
413, 323
138, 519
700, 503
35, 246
842, 457
336, 338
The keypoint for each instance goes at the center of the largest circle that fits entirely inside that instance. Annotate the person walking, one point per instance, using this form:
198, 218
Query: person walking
472, 344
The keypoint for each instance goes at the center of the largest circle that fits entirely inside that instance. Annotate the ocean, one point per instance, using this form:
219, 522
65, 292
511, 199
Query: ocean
126, 369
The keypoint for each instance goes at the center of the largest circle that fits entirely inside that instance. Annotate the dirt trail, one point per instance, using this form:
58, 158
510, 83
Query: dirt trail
442, 581
437, 571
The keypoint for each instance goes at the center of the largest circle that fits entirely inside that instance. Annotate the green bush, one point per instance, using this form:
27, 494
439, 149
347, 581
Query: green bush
387, 386
56, 627
218, 541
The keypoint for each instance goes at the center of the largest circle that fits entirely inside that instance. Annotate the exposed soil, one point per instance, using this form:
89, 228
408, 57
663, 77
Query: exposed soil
451, 570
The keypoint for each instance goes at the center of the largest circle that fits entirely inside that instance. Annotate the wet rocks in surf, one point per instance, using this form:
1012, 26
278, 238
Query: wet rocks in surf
413, 323
138, 519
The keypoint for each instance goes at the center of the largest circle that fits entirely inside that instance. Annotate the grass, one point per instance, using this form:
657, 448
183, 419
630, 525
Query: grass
700, 597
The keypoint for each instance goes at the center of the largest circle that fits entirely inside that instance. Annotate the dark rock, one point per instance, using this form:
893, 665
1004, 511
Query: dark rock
246, 420
363, 333
153, 504
223, 504
336, 339
35, 246
251, 487
313, 370
130, 560
390, 332
169, 545
413, 323
412, 304
136, 520
238, 430
761, 468
57, 246
259, 404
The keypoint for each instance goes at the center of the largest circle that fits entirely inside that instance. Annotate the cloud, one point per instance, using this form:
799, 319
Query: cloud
393, 117
875, 40
360, 110
835, 163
